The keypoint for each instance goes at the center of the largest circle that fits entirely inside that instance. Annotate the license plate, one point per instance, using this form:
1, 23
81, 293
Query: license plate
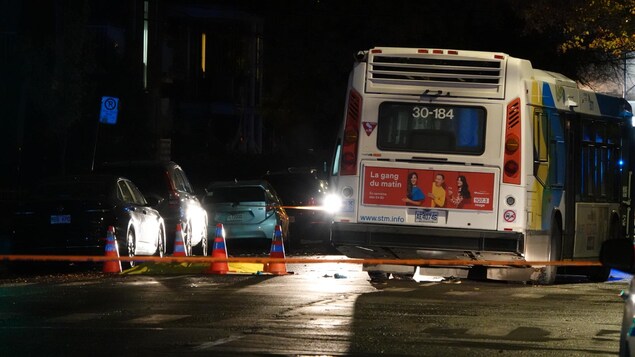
61, 219
427, 216
234, 217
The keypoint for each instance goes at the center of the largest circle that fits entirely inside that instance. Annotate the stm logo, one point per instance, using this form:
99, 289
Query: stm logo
369, 127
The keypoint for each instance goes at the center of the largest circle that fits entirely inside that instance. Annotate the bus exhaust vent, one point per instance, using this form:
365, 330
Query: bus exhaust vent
435, 75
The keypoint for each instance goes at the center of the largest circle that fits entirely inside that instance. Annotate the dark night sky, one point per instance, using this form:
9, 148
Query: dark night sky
309, 48
310, 44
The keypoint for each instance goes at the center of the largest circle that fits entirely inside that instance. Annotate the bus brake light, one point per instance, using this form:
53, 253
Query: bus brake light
512, 155
511, 144
351, 134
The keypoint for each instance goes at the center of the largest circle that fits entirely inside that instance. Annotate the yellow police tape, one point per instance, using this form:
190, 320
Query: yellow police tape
300, 260
191, 268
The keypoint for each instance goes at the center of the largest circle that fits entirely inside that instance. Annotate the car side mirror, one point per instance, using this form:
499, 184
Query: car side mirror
618, 254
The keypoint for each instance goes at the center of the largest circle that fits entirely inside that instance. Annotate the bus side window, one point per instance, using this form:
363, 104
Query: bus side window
601, 168
557, 166
586, 163
600, 178
549, 161
614, 142
541, 154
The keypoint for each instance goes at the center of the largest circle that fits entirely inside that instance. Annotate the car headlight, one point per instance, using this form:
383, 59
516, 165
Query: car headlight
332, 203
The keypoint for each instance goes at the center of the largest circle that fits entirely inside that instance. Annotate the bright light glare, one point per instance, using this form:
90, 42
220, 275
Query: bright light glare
332, 203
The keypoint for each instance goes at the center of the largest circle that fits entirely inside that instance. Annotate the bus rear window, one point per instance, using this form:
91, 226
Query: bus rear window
431, 128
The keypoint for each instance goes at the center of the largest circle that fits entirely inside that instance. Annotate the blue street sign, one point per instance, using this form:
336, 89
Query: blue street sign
109, 110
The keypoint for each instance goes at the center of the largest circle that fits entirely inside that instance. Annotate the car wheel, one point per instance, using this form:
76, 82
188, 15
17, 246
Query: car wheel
188, 239
161, 243
624, 350
627, 323
204, 245
131, 243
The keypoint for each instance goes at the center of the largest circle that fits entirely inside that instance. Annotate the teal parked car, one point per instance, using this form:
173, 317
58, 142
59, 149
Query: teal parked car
249, 211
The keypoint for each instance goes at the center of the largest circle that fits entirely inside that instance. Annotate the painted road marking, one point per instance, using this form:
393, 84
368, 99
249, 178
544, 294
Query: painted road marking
463, 293
157, 319
528, 296
222, 341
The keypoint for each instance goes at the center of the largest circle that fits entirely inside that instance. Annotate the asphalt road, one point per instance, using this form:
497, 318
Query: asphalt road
320, 309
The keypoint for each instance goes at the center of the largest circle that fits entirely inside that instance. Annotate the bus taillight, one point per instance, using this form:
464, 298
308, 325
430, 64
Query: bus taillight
511, 166
351, 134
511, 144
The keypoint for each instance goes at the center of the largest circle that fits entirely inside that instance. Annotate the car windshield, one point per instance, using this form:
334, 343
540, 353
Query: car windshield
71, 190
295, 189
235, 194
148, 179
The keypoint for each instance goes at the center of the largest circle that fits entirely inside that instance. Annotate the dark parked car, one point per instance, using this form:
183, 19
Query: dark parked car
168, 186
70, 216
302, 192
248, 210
620, 254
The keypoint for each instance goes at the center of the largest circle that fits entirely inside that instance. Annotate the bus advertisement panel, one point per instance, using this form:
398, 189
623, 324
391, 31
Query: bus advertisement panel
452, 190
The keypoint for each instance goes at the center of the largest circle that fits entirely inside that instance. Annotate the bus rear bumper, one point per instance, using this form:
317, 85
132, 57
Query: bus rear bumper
359, 240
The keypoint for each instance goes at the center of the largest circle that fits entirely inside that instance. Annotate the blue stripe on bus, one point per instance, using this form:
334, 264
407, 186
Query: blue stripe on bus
547, 96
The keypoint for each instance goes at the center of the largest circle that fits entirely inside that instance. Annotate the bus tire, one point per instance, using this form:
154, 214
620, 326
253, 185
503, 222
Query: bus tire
601, 274
378, 276
549, 272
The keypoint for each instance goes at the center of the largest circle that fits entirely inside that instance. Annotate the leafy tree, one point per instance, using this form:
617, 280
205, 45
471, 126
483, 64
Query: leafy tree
607, 26
599, 34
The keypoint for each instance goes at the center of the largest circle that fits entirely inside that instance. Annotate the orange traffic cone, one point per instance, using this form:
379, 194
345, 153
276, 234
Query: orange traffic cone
179, 248
277, 251
112, 250
219, 251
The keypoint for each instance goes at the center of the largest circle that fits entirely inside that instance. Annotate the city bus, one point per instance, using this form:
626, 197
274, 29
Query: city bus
475, 156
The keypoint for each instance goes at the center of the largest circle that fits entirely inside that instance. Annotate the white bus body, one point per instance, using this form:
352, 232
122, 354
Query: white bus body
517, 136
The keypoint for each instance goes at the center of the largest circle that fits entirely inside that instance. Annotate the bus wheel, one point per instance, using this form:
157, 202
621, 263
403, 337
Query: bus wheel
548, 273
601, 274
377, 275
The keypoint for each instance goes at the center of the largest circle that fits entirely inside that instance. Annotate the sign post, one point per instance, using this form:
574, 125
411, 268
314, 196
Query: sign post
107, 115
109, 110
